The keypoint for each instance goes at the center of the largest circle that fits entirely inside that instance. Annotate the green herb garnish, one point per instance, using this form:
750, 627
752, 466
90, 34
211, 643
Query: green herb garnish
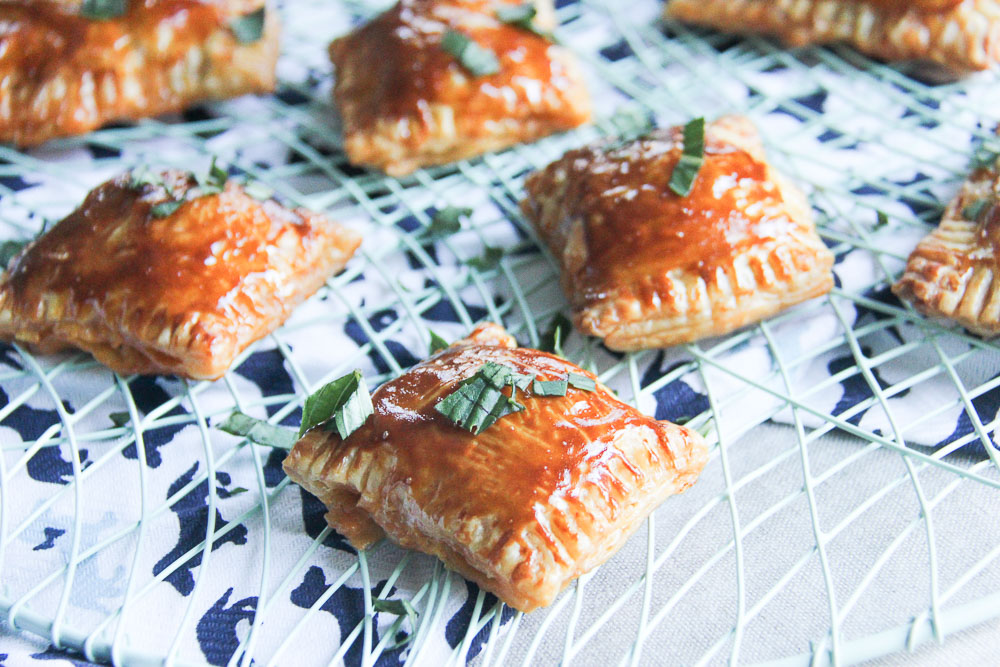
882, 220
437, 343
237, 491
987, 155
9, 249
581, 382
213, 182
250, 27
477, 405
559, 330
447, 221
976, 208
692, 157
398, 608
258, 431
345, 401
165, 208
103, 10
523, 17
489, 260
120, 419
478, 60
550, 387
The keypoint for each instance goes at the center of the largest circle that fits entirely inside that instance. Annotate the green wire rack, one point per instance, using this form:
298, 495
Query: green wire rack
817, 534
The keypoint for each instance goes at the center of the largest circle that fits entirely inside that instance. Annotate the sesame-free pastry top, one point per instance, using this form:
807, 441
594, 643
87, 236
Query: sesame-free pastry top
163, 274
645, 267
953, 272
960, 35
434, 81
522, 507
68, 67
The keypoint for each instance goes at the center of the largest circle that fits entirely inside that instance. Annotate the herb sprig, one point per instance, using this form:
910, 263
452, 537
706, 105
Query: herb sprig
523, 17
692, 157
249, 28
103, 10
478, 60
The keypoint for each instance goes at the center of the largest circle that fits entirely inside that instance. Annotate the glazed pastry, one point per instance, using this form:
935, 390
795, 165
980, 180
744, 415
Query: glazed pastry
644, 267
952, 272
522, 507
63, 73
961, 35
160, 278
406, 101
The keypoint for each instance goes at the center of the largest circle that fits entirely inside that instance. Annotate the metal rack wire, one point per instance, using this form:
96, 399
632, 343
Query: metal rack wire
852, 531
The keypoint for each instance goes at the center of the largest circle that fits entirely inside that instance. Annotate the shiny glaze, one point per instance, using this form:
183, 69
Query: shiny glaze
113, 254
635, 226
405, 70
511, 470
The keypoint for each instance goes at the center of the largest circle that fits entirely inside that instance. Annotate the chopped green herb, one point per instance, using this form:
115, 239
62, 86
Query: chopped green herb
165, 208
476, 405
559, 330
213, 182
437, 343
103, 10
9, 249
581, 382
500, 376
142, 176
550, 387
258, 431
257, 190
398, 608
489, 260
882, 220
692, 157
630, 122
345, 401
120, 419
235, 492
523, 17
250, 27
479, 61
976, 208
987, 155
447, 221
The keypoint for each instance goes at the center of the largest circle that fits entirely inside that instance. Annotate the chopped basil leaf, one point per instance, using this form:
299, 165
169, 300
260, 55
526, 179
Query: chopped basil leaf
250, 27
235, 492
144, 176
437, 343
103, 9
559, 330
479, 61
9, 249
345, 401
399, 608
258, 431
257, 190
882, 220
976, 208
120, 419
165, 208
447, 221
523, 16
692, 157
581, 382
477, 405
214, 181
500, 376
550, 387
489, 260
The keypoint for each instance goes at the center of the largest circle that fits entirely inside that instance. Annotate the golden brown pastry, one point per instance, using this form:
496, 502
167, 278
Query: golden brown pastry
63, 73
644, 267
521, 508
151, 282
407, 102
953, 271
961, 35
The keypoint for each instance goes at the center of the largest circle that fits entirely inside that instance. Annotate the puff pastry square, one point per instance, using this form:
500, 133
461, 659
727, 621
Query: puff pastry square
62, 73
523, 507
182, 293
953, 271
961, 35
643, 267
406, 102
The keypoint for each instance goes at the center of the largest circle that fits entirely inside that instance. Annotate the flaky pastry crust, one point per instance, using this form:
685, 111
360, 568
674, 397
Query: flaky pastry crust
184, 293
406, 103
522, 508
63, 74
643, 267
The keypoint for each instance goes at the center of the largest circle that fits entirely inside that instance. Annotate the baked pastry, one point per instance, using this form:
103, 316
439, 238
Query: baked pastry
961, 35
522, 507
644, 267
68, 67
953, 271
406, 101
153, 275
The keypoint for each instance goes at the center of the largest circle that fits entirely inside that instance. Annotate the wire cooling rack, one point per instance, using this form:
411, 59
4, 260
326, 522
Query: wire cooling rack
865, 524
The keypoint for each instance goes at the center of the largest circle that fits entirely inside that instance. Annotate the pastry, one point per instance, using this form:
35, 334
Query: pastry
644, 267
952, 272
406, 99
164, 274
68, 67
521, 507
961, 35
